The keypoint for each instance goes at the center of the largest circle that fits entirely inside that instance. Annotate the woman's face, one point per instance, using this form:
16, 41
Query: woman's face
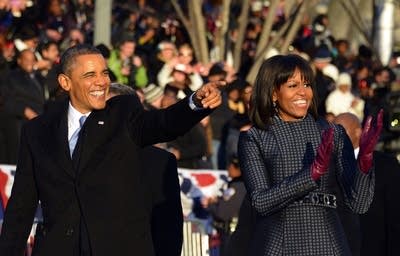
293, 98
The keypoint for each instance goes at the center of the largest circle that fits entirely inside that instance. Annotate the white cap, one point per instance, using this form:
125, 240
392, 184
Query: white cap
331, 71
344, 79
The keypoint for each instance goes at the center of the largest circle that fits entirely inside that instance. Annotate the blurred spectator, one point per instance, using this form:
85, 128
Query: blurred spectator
153, 96
343, 57
342, 100
173, 31
147, 37
7, 53
190, 149
166, 51
321, 36
326, 75
126, 66
56, 21
125, 23
75, 36
186, 59
23, 95
48, 74
232, 128
224, 209
180, 79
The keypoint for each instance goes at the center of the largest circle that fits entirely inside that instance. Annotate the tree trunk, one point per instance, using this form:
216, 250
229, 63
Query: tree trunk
223, 29
200, 25
267, 27
102, 18
242, 21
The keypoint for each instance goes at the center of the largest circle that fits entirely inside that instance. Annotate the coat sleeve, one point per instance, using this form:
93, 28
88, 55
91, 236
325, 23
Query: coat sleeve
22, 204
268, 198
161, 125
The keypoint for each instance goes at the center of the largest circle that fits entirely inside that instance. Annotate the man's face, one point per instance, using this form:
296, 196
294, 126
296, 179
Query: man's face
88, 83
127, 49
26, 61
52, 53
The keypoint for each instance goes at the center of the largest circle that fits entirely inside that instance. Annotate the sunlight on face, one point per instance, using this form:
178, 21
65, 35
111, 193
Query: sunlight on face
88, 83
293, 98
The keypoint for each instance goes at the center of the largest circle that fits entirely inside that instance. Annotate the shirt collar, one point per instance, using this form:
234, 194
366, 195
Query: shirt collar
73, 119
356, 151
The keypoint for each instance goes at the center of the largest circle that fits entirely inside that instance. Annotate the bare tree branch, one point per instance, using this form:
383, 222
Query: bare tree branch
243, 20
251, 76
222, 29
356, 22
267, 27
299, 14
200, 28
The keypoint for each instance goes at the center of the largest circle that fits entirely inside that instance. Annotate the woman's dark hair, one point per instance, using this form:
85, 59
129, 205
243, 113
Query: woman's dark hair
69, 56
274, 72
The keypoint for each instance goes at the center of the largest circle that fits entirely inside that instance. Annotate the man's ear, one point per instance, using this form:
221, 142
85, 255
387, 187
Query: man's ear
64, 82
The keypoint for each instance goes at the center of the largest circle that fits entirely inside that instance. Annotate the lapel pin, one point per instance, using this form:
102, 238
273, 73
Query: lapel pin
100, 122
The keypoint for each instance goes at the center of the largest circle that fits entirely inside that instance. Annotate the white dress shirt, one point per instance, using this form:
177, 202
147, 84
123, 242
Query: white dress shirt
73, 119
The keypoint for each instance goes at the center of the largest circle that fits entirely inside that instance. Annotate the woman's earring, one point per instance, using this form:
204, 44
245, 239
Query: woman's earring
274, 104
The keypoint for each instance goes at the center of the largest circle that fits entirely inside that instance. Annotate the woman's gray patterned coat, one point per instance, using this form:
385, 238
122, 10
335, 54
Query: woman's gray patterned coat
276, 167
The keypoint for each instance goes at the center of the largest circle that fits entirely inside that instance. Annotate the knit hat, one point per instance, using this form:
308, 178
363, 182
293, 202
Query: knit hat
331, 71
152, 92
322, 55
344, 79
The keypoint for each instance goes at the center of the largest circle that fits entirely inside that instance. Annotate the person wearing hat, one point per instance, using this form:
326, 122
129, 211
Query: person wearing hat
326, 75
184, 62
153, 95
342, 100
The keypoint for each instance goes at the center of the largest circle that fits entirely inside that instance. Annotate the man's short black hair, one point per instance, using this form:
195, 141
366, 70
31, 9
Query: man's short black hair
69, 56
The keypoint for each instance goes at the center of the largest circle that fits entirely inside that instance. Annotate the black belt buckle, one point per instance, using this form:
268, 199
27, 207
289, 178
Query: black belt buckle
322, 199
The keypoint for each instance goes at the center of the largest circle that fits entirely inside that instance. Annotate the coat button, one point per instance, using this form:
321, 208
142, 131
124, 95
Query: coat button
69, 232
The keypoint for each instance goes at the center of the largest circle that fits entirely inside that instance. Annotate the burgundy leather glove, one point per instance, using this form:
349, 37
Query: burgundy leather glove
369, 137
321, 162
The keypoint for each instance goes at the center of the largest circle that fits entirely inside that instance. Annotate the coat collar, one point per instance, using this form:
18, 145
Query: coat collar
55, 137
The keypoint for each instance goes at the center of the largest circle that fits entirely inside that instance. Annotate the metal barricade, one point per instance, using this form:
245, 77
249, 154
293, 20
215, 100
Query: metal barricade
195, 239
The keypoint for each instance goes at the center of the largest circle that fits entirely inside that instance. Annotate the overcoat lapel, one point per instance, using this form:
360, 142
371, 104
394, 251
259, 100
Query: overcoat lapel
56, 138
93, 138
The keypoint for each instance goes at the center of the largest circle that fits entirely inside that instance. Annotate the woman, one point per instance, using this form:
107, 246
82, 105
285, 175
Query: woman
285, 159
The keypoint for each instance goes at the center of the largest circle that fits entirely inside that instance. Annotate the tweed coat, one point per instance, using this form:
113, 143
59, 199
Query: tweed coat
276, 168
105, 190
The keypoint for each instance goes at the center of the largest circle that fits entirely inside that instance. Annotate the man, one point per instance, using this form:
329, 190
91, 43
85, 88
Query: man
23, 99
350, 220
48, 74
161, 174
380, 228
127, 67
91, 196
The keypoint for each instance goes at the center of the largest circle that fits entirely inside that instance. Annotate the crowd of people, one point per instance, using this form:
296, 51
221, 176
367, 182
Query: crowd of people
151, 56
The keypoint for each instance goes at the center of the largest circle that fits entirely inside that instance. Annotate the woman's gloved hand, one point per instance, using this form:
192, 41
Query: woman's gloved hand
321, 162
369, 137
